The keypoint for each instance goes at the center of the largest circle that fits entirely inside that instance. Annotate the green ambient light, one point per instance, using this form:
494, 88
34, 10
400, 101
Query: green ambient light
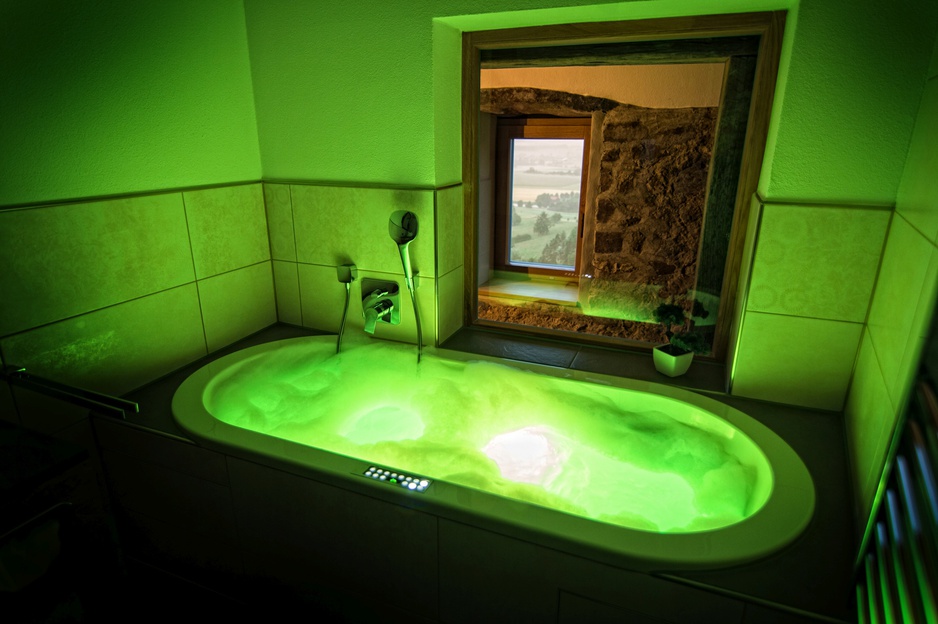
634, 459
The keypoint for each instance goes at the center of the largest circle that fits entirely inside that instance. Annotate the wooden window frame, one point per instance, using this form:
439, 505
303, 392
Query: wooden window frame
694, 33
531, 127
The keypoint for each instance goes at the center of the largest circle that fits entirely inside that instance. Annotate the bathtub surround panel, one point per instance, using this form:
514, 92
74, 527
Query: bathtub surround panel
487, 577
279, 207
287, 289
366, 542
237, 303
796, 361
172, 504
817, 262
118, 348
227, 228
64, 260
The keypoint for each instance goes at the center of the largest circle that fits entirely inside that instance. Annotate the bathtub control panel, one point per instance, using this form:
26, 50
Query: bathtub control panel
392, 477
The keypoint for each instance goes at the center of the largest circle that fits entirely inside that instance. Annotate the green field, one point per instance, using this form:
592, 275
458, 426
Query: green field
530, 250
527, 186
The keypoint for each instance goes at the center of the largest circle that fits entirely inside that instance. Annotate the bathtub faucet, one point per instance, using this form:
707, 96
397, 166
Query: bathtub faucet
380, 303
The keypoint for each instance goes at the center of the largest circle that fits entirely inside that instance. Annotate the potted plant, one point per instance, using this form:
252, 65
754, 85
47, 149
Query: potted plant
675, 356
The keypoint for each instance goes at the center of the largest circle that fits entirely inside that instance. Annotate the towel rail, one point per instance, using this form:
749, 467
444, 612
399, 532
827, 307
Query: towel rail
89, 399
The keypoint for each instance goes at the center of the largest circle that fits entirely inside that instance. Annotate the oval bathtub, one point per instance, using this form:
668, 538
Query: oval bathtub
648, 475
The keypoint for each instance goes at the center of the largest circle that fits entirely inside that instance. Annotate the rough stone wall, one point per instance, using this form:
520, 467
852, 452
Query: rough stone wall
650, 205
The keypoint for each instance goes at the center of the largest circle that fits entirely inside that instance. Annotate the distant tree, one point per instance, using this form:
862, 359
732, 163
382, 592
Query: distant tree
542, 225
560, 250
555, 218
515, 217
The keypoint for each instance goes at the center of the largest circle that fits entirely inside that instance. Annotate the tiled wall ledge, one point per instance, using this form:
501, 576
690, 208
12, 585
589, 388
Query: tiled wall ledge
128, 195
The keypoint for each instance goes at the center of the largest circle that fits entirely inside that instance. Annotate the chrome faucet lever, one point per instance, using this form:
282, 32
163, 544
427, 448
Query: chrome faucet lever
380, 303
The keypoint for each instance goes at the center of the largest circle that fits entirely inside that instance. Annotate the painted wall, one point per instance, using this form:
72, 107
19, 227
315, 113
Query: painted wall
109, 97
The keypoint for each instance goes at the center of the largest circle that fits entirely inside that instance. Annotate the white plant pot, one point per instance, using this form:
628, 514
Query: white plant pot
671, 365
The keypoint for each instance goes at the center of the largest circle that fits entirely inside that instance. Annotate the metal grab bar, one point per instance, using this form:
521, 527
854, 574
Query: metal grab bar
95, 401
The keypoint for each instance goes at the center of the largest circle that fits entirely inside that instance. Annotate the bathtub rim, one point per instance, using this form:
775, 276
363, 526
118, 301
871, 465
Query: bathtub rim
778, 523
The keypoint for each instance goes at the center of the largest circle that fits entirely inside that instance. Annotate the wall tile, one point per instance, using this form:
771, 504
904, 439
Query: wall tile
817, 262
227, 228
339, 225
905, 286
280, 221
796, 361
287, 289
869, 418
116, 349
917, 198
451, 292
450, 239
61, 261
323, 299
237, 304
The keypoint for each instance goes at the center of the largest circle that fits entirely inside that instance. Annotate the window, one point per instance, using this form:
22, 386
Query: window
597, 297
542, 166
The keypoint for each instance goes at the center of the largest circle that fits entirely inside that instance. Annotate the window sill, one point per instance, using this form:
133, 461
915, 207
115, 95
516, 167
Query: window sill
703, 376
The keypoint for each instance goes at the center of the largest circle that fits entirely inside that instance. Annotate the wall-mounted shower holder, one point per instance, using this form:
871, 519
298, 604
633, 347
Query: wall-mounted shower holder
381, 303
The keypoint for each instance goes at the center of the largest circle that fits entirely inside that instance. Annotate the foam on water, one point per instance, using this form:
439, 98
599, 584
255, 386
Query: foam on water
642, 461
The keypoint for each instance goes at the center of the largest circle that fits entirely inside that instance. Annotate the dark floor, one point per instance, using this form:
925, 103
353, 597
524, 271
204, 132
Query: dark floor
139, 595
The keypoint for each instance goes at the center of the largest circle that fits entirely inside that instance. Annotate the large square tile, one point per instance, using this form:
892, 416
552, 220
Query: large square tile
116, 349
61, 261
227, 227
451, 295
817, 262
287, 289
450, 239
343, 225
904, 293
237, 304
279, 207
869, 419
917, 199
795, 361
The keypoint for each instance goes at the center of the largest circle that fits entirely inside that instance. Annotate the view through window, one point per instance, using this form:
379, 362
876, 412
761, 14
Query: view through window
676, 117
546, 175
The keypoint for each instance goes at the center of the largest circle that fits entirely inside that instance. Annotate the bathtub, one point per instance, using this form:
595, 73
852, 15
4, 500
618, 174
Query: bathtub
636, 474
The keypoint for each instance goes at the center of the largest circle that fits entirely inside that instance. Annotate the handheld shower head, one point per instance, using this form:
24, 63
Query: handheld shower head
402, 227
